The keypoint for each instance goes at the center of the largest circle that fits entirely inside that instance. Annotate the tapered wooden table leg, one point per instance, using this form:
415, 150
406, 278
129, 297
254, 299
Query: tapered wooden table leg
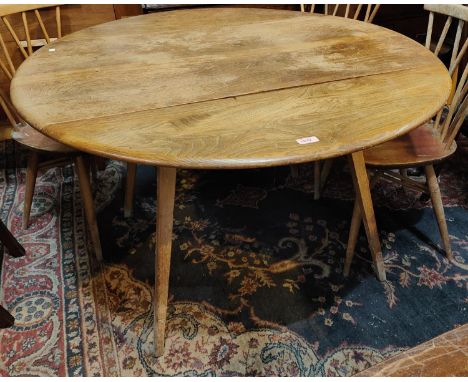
363, 195
327, 165
31, 175
129, 189
353, 237
164, 221
88, 204
317, 180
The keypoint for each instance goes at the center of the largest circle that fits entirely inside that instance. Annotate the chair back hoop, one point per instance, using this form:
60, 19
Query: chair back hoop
349, 11
457, 11
25, 46
456, 109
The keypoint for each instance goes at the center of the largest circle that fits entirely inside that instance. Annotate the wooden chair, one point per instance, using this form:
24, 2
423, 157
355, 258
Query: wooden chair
24, 134
431, 142
361, 12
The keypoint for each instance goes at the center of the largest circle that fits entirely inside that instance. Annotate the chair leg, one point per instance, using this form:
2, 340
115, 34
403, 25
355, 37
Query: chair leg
31, 175
317, 180
88, 204
327, 165
15, 249
294, 170
6, 319
436, 199
94, 170
129, 189
100, 163
353, 237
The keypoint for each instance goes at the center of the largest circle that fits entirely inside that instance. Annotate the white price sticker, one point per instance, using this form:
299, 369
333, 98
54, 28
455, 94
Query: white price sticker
307, 140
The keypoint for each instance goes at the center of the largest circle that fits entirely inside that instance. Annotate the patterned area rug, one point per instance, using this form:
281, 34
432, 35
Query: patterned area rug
256, 285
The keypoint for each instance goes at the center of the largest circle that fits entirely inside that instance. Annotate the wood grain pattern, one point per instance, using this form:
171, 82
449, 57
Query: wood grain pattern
261, 129
345, 10
235, 92
443, 356
74, 17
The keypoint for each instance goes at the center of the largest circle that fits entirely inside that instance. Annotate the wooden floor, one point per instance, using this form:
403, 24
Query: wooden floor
443, 356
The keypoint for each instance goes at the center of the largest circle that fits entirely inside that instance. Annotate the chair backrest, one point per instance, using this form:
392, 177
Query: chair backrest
21, 32
456, 108
351, 11
25, 46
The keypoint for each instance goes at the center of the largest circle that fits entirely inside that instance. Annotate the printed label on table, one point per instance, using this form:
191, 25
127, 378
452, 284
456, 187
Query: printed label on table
307, 140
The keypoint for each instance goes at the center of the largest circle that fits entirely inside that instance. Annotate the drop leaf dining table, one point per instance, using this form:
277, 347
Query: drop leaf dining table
229, 88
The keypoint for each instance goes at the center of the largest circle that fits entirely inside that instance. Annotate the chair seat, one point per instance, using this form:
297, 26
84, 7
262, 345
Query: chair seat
419, 147
30, 137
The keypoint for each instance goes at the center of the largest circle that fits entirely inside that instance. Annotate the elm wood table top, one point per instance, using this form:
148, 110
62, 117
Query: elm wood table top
229, 88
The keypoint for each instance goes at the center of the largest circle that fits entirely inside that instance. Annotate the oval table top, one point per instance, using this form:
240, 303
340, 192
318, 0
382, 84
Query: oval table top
229, 88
